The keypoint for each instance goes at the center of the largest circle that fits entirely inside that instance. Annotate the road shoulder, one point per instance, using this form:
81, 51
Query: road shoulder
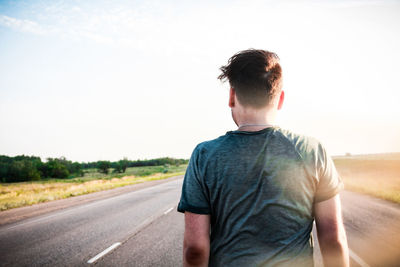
373, 229
18, 214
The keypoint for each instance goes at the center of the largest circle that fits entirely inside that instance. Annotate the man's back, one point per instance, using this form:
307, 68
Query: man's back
250, 196
259, 188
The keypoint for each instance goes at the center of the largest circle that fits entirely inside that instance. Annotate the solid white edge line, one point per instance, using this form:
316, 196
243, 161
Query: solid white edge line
104, 252
168, 210
357, 259
74, 208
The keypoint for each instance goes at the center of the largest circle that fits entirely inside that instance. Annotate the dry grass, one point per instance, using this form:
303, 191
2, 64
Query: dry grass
22, 194
377, 177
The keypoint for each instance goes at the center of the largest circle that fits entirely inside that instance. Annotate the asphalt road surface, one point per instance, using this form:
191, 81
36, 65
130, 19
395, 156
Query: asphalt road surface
142, 228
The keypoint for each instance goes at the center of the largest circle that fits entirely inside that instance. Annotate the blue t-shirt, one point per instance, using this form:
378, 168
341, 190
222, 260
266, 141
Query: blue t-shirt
259, 189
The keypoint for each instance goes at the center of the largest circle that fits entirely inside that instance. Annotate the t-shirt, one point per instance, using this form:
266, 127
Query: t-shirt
259, 189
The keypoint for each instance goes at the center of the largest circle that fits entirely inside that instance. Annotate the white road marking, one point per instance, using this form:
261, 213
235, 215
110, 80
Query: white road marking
104, 252
357, 259
168, 210
76, 208
145, 222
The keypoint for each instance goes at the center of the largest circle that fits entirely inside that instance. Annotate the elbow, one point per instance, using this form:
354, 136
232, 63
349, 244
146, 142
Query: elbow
332, 235
334, 241
337, 239
196, 256
334, 250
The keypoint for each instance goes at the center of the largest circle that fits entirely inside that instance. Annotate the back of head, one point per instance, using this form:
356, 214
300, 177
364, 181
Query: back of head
255, 75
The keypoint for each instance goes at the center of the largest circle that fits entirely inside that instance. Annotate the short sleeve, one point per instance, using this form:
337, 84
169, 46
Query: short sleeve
194, 194
329, 182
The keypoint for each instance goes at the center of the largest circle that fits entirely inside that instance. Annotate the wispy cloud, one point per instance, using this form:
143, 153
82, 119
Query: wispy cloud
155, 22
25, 25
128, 26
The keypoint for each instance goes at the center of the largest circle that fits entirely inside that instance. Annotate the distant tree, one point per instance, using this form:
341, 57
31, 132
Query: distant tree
30, 171
22, 170
124, 164
27, 168
55, 168
19, 168
103, 166
75, 168
120, 166
4, 171
117, 167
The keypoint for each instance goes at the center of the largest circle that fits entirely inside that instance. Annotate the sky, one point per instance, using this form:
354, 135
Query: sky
103, 80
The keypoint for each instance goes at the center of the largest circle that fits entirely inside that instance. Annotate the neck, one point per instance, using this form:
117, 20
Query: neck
254, 120
253, 127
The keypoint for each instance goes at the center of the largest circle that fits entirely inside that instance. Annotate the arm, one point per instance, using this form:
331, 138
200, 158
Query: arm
196, 241
331, 232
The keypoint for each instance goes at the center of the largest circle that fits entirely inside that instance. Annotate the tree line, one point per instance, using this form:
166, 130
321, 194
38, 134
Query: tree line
30, 168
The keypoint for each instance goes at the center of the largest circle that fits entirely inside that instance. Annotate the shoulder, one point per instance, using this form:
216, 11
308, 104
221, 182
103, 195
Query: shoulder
312, 153
307, 146
207, 147
203, 153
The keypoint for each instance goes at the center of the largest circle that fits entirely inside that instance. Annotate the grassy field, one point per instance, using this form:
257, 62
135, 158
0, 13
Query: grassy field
15, 195
375, 175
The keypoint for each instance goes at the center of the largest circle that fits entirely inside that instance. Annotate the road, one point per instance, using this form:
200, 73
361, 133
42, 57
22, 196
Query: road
142, 228
74, 235
373, 228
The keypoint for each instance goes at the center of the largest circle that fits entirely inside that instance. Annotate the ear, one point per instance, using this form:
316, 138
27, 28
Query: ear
232, 95
281, 99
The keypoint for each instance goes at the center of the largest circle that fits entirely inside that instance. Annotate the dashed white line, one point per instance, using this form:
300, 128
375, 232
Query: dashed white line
76, 208
104, 252
168, 210
357, 259
114, 246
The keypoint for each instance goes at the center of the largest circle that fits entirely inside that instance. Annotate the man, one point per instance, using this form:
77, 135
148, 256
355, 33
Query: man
250, 197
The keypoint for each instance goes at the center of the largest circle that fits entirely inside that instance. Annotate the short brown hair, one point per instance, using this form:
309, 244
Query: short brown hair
256, 76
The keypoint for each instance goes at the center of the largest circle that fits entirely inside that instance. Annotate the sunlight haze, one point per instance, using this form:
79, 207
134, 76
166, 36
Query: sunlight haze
103, 80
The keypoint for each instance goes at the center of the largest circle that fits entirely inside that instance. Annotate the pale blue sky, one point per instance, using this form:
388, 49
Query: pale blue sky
93, 80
